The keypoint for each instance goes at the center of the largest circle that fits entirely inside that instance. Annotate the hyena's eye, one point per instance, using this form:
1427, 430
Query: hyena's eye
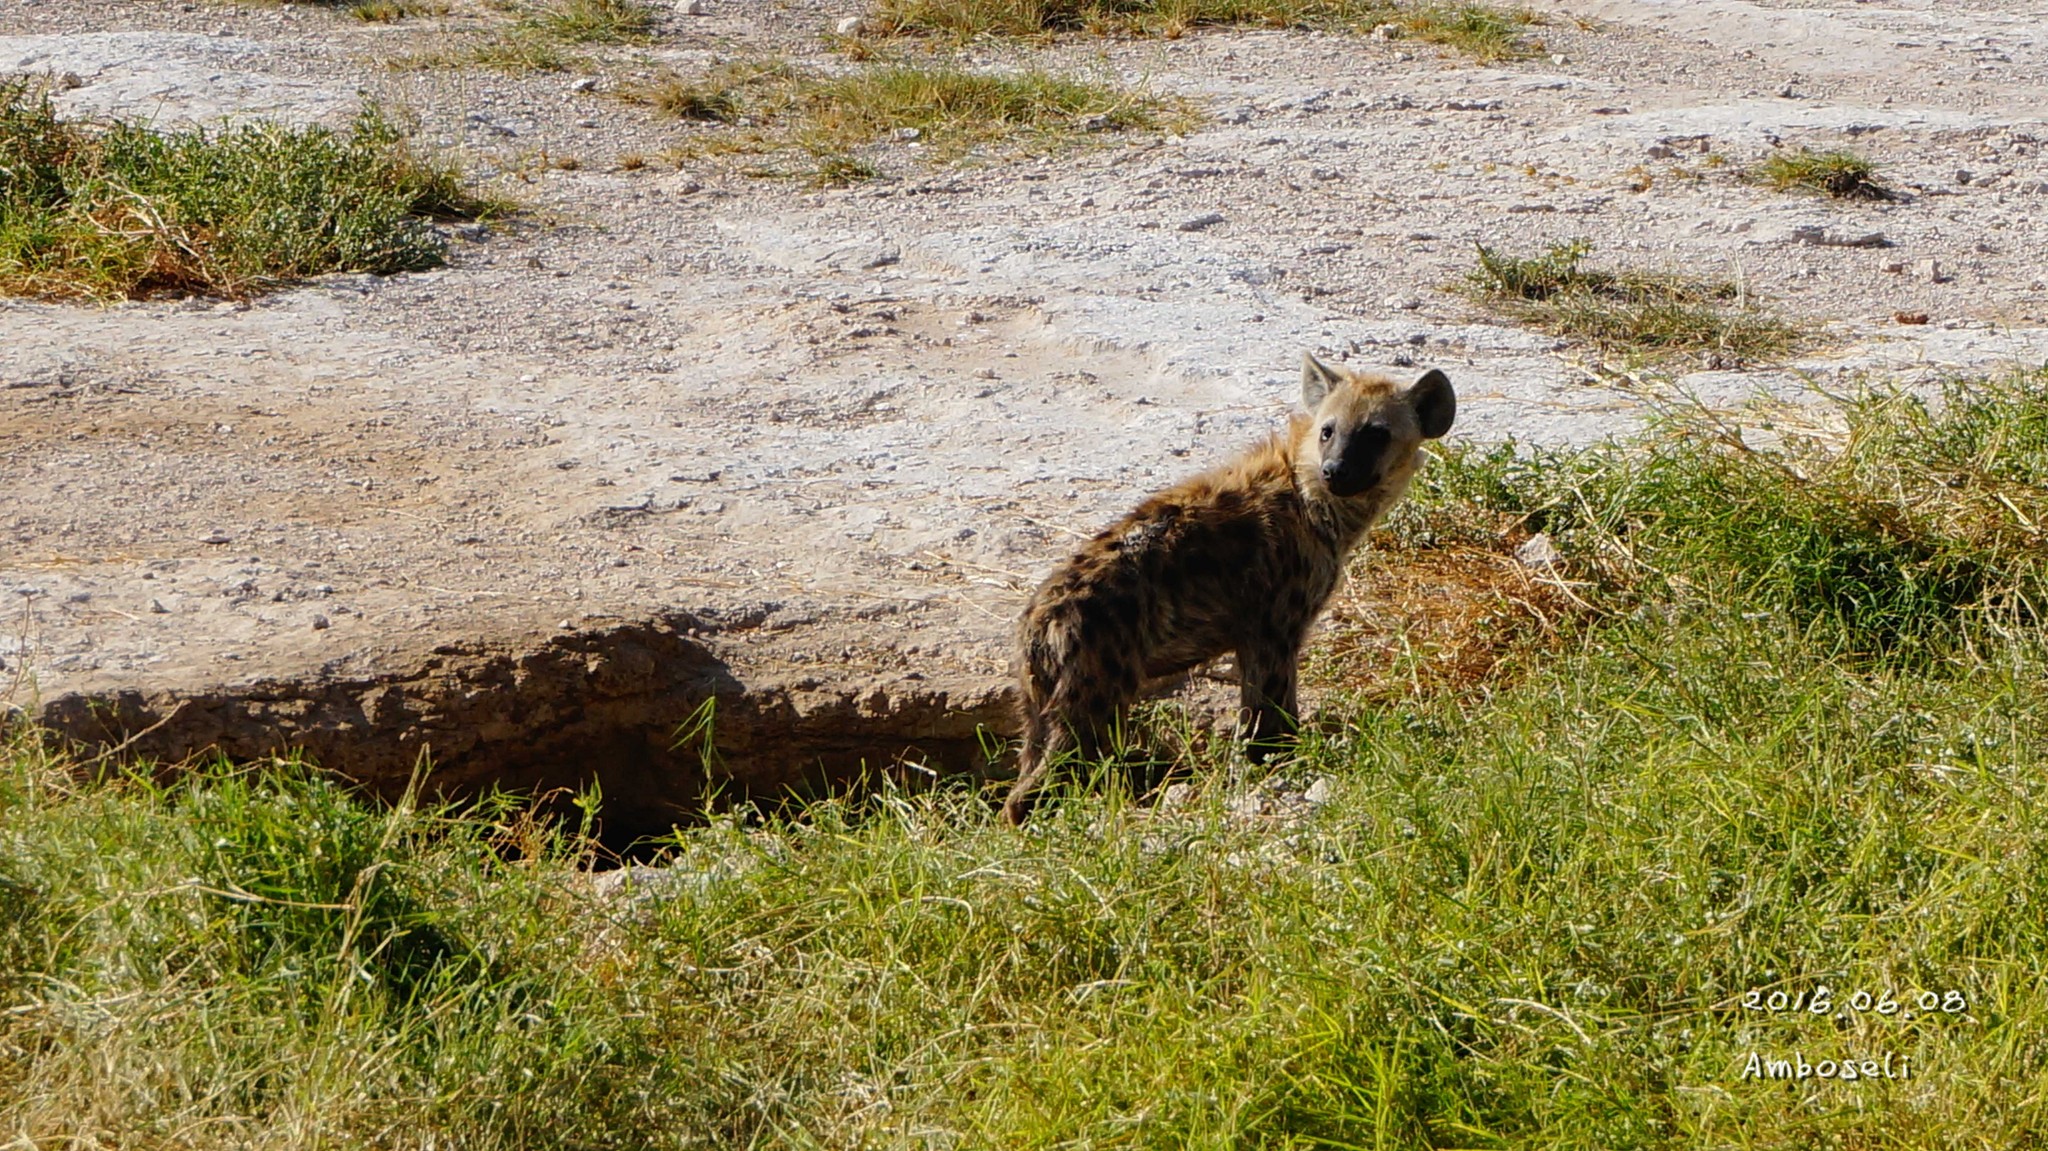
1328, 431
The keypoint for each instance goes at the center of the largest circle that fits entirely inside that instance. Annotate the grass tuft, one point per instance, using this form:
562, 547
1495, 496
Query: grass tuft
838, 170
592, 21
391, 11
1641, 314
944, 109
1841, 174
1484, 31
125, 212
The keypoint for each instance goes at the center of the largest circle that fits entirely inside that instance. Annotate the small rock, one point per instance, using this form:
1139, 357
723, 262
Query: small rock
1388, 32
216, 538
1322, 791
1198, 223
1248, 804
1964, 175
1538, 552
1097, 122
1821, 237
320, 623
1176, 796
1560, 59
586, 84
1662, 152
985, 374
907, 134
1471, 105
1241, 114
1895, 267
851, 26
1913, 318
1929, 270
694, 8
1401, 303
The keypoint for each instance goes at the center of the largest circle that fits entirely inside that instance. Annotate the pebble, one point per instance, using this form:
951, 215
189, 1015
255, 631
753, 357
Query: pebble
693, 7
1198, 223
320, 623
1822, 237
1322, 791
851, 26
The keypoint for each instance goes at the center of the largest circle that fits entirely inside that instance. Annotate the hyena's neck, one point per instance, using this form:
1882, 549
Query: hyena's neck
1341, 523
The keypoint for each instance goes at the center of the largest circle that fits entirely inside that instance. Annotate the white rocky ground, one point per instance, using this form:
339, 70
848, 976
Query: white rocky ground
677, 433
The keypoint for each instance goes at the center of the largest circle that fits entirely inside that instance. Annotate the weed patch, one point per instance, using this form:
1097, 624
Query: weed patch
389, 11
1635, 313
1484, 31
1841, 174
128, 213
945, 110
592, 21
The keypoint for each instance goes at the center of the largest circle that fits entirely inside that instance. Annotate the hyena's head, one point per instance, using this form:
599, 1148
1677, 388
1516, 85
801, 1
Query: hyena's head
1364, 430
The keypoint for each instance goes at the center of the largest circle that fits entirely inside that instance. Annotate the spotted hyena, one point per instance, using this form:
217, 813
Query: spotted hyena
1240, 559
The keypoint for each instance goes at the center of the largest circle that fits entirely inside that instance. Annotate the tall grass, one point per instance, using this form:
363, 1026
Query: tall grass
127, 212
1534, 912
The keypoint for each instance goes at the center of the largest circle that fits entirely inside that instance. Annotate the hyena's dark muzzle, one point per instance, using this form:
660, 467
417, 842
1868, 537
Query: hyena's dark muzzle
1353, 458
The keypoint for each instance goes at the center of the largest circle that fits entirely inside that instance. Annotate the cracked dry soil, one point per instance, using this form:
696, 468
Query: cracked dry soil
678, 434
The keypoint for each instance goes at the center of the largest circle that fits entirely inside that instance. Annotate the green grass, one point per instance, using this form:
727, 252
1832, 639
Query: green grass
1530, 917
1484, 31
592, 21
1646, 315
945, 109
1843, 175
542, 38
125, 212
390, 11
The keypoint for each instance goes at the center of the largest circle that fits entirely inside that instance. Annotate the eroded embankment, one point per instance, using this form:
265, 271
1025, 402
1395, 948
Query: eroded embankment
660, 715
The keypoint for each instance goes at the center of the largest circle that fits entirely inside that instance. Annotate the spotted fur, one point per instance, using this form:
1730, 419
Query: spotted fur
1240, 559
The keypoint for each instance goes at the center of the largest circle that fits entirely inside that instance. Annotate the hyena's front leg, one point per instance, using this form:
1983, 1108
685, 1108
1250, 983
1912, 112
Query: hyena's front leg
1267, 697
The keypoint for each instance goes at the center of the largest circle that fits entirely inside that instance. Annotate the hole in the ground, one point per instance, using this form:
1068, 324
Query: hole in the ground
610, 706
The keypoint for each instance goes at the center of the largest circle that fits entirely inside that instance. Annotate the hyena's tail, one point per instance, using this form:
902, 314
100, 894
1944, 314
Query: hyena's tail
1045, 650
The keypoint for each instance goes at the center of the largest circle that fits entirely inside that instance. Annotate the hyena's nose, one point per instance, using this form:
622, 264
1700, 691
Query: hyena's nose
1330, 469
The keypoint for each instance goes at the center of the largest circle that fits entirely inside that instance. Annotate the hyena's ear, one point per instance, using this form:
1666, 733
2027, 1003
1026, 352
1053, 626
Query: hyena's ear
1317, 378
1435, 404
